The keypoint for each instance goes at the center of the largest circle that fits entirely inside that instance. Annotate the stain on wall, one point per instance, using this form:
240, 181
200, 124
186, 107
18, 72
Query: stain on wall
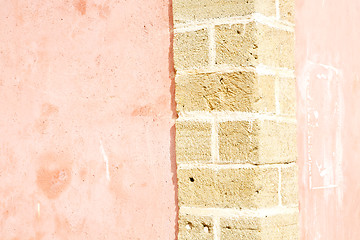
80, 5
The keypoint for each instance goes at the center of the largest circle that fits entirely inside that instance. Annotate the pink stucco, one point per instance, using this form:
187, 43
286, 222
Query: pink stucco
86, 120
328, 84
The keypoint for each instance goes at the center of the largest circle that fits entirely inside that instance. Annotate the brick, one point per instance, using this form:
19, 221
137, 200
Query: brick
197, 187
287, 96
280, 227
193, 141
195, 227
191, 49
244, 228
287, 10
277, 227
239, 142
190, 10
229, 188
252, 44
277, 142
237, 91
289, 185
257, 142
263, 100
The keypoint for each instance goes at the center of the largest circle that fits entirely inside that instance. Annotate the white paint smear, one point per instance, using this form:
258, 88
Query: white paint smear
106, 160
38, 209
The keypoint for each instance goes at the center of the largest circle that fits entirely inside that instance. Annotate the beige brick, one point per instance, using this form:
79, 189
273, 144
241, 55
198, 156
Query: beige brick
191, 49
193, 141
229, 188
237, 91
190, 10
253, 44
197, 187
264, 95
287, 96
239, 142
194, 227
278, 227
257, 142
287, 10
277, 142
244, 228
248, 187
289, 185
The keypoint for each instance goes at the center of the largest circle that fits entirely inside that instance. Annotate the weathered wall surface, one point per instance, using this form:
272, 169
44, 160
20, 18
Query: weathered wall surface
328, 85
86, 140
236, 132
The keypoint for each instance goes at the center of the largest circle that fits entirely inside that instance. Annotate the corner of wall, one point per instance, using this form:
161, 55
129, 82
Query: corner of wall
236, 131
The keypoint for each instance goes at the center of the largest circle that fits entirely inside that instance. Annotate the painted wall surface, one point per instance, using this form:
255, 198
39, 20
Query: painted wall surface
86, 126
328, 79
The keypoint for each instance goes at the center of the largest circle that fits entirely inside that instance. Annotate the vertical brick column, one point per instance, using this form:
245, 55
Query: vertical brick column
236, 131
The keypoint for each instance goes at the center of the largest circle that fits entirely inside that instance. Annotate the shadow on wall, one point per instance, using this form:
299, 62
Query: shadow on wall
174, 115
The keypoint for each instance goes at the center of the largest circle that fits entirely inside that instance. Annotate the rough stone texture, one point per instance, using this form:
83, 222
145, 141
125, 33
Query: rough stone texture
229, 188
287, 10
263, 99
197, 187
277, 142
287, 96
193, 141
257, 142
194, 227
191, 49
203, 88
239, 142
237, 91
254, 43
244, 228
289, 185
190, 10
277, 227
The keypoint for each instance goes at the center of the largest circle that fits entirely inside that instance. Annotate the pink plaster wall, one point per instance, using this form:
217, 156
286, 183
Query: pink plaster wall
87, 116
328, 85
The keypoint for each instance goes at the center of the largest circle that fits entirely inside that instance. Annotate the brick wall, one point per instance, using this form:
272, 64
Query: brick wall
236, 131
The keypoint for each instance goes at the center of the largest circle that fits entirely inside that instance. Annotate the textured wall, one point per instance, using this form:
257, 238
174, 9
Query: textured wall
86, 140
236, 132
328, 79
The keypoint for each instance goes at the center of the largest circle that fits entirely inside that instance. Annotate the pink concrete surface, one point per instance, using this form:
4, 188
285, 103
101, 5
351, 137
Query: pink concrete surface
86, 120
328, 85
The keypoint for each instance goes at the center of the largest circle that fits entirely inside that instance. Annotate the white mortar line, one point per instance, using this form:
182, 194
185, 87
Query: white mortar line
279, 187
286, 22
273, 22
216, 21
277, 96
233, 213
191, 28
216, 69
277, 4
227, 116
212, 45
217, 230
232, 166
261, 70
214, 140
